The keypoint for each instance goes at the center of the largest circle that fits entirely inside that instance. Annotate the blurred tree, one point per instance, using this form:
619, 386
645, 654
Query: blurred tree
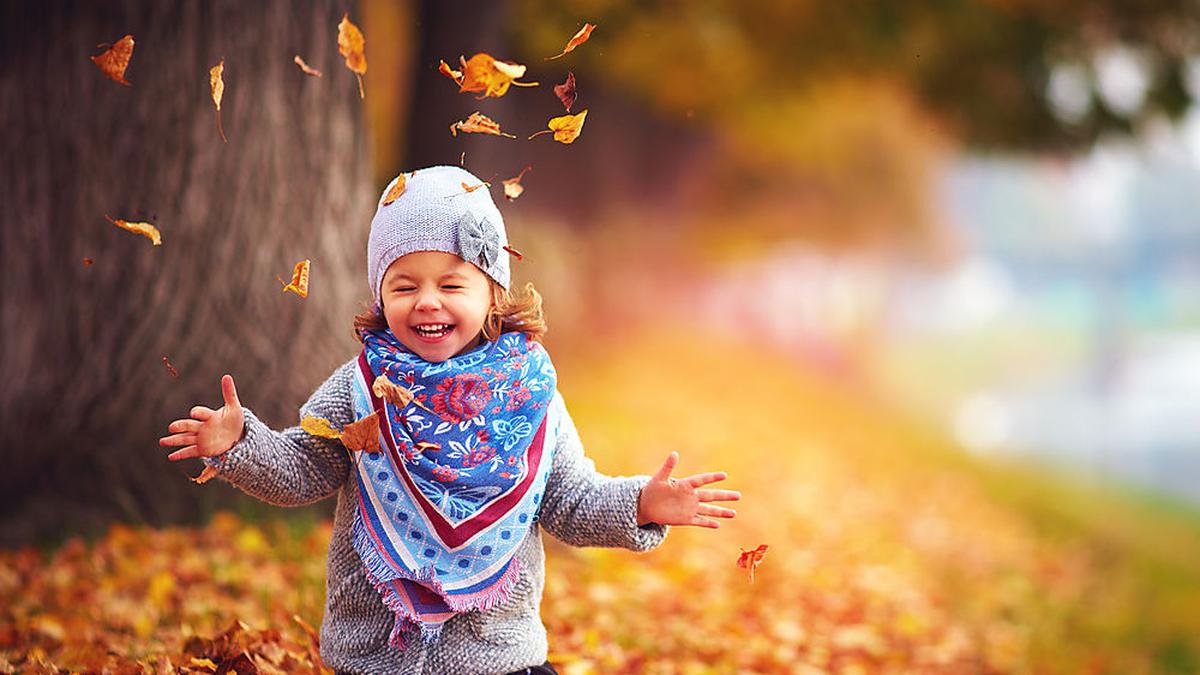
85, 393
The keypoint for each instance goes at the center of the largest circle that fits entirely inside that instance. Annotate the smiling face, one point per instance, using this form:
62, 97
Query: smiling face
435, 303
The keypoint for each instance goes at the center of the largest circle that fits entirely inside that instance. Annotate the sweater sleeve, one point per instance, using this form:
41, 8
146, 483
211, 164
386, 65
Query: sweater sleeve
583, 507
292, 467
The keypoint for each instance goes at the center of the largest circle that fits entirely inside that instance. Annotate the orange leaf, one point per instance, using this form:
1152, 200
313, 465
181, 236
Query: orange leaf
363, 435
206, 475
750, 560
218, 91
472, 188
580, 38
308, 70
566, 91
299, 284
566, 128
115, 60
351, 45
397, 189
514, 253
478, 124
144, 229
315, 426
170, 368
513, 187
87, 262
484, 73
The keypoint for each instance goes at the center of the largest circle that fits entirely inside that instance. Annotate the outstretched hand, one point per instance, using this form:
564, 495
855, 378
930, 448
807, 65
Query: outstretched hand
208, 432
678, 501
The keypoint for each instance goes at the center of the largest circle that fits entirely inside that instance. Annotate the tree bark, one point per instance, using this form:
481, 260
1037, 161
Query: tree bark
85, 392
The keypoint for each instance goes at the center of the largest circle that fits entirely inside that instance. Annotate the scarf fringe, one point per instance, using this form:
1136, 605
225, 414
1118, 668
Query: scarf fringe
380, 573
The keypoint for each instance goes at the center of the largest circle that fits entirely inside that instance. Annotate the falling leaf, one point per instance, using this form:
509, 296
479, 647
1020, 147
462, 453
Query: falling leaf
397, 189
750, 560
206, 475
115, 60
308, 70
299, 284
462, 159
514, 253
566, 128
170, 368
87, 262
478, 124
472, 188
566, 91
218, 91
422, 446
144, 229
351, 45
484, 73
445, 69
363, 435
580, 38
315, 426
395, 394
513, 187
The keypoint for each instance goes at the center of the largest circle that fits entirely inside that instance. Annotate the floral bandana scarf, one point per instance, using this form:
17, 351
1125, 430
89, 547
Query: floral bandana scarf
438, 525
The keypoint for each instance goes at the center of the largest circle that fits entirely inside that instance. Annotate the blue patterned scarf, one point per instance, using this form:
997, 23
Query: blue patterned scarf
438, 525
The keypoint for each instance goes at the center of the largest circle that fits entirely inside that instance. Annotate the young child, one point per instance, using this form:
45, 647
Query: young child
436, 562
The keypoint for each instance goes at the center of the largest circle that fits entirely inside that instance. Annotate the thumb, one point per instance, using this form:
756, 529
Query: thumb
664, 472
229, 392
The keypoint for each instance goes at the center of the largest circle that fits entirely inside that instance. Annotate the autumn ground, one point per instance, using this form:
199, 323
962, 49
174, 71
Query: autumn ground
889, 551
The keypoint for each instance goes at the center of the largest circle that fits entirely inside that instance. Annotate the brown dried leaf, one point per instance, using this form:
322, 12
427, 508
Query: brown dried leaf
566, 91
513, 187
315, 426
514, 253
351, 45
308, 70
217, 83
395, 394
115, 60
170, 368
580, 38
477, 123
206, 475
397, 189
299, 284
145, 229
749, 560
566, 128
362, 435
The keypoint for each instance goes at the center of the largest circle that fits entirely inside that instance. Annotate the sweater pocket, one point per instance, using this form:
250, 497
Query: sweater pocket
514, 621
356, 620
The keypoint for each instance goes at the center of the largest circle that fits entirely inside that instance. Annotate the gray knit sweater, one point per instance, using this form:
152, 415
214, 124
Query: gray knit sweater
580, 507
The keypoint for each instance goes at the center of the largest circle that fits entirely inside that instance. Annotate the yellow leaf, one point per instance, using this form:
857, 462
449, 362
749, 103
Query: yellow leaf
144, 229
204, 663
397, 189
299, 284
115, 60
315, 426
351, 45
217, 83
566, 128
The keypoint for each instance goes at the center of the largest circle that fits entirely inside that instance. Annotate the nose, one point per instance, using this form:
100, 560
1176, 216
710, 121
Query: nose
428, 301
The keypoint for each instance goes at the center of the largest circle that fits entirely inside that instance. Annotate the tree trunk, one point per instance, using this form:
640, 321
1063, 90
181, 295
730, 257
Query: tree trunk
86, 393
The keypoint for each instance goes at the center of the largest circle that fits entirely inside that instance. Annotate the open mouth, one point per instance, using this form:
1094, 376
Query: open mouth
433, 331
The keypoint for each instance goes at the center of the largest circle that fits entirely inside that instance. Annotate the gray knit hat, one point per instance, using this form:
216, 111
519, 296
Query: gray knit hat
436, 213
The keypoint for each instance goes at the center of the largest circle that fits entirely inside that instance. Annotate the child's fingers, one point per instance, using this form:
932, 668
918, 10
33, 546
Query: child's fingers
190, 426
229, 392
718, 495
202, 413
186, 453
699, 521
664, 472
715, 511
706, 478
178, 439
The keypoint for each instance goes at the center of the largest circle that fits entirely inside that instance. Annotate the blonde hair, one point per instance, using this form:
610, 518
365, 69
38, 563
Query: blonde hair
509, 313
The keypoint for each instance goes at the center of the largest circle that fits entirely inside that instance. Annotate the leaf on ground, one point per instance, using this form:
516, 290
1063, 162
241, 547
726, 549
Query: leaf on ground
145, 229
206, 475
397, 189
566, 91
513, 187
579, 38
217, 83
750, 560
308, 70
115, 60
483, 73
299, 283
352, 46
363, 435
316, 426
565, 129
478, 123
